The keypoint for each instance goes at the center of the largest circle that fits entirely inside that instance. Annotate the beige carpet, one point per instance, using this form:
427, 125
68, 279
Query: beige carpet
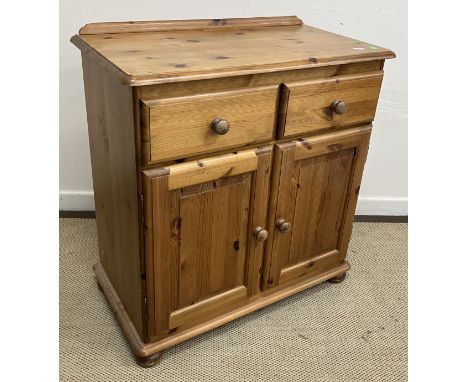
353, 331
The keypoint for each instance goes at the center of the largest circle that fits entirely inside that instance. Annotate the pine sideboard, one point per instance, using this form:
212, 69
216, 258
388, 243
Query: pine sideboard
227, 158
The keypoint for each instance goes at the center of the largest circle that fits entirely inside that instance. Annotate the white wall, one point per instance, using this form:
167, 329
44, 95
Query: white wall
382, 22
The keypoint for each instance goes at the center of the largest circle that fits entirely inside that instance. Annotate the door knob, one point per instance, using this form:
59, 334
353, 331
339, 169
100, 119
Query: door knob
220, 126
283, 226
261, 234
339, 107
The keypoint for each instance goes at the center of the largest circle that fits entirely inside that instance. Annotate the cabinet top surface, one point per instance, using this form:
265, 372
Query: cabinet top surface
152, 52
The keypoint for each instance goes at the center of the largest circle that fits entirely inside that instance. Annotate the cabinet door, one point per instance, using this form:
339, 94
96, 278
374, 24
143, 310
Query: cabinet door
314, 193
201, 252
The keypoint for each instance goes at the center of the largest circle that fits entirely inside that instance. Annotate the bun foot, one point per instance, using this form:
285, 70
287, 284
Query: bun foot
337, 279
150, 360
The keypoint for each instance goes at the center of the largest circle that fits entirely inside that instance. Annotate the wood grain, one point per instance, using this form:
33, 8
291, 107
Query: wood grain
353, 191
216, 85
310, 267
330, 142
166, 255
191, 313
181, 25
287, 189
315, 194
167, 56
258, 218
179, 127
309, 102
111, 139
321, 195
198, 234
204, 170
210, 261
267, 261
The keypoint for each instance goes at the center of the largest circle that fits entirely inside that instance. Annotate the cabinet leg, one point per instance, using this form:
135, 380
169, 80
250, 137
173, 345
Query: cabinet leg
149, 361
337, 279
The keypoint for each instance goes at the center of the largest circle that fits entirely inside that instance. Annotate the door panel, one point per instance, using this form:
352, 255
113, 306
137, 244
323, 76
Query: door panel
318, 182
320, 198
201, 255
212, 254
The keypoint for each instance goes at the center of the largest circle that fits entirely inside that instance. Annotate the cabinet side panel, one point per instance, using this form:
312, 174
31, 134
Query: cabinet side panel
111, 138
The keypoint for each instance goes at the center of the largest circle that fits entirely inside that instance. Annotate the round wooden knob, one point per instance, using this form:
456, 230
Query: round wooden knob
339, 107
283, 226
261, 234
220, 126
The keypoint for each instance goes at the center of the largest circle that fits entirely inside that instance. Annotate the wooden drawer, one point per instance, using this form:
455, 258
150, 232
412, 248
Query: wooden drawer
183, 126
314, 105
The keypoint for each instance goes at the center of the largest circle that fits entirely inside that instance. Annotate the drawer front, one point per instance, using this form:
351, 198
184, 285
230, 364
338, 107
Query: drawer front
184, 126
315, 105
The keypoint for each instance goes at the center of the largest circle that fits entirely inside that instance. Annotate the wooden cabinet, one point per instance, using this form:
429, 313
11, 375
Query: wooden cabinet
227, 159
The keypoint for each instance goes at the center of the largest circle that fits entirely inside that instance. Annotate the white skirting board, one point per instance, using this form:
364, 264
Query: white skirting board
76, 201
384, 206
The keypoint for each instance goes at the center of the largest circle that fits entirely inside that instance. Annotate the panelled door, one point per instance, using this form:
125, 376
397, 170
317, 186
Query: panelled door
314, 192
204, 236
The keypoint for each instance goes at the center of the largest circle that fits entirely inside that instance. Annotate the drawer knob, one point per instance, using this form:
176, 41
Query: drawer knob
283, 226
220, 126
339, 107
261, 234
